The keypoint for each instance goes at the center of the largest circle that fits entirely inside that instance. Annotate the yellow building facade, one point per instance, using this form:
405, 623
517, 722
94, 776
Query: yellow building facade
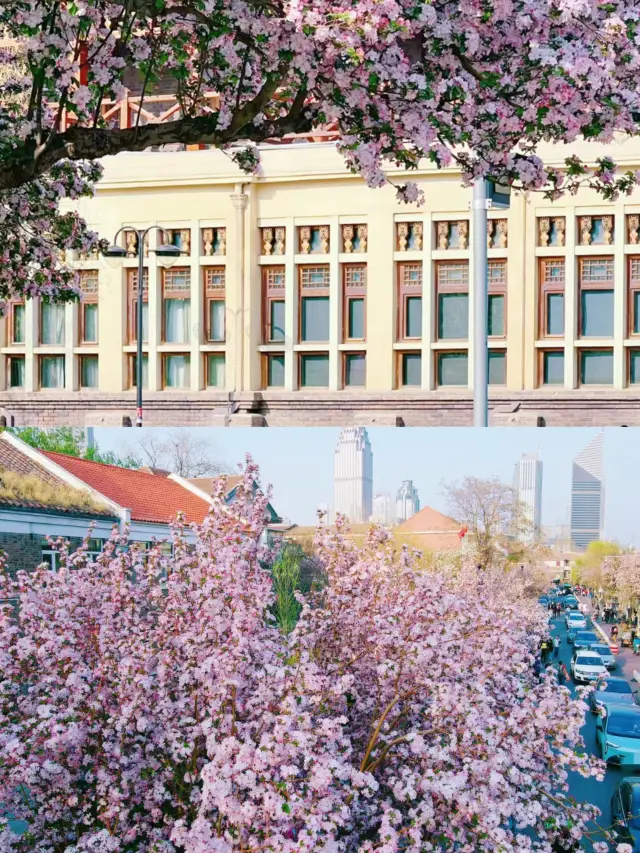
303, 297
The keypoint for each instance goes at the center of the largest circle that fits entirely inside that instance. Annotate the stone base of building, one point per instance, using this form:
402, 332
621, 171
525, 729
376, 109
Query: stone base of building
305, 409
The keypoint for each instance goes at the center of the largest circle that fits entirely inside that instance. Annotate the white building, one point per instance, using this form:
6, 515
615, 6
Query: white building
353, 475
527, 483
383, 509
407, 501
587, 494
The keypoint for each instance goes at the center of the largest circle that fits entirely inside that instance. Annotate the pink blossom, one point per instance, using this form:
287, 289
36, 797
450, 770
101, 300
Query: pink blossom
151, 703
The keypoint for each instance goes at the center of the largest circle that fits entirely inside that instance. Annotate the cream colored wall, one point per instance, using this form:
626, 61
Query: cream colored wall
307, 185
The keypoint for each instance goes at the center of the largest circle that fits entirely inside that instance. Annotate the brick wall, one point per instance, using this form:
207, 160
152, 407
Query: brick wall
24, 550
328, 409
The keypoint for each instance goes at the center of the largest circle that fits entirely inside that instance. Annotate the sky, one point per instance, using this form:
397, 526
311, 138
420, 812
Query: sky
298, 463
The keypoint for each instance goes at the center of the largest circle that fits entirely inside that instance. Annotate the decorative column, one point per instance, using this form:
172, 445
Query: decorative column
71, 378
428, 307
31, 312
620, 309
239, 326
112, 326
332, 243
154, 358
197, 305
381, 299
290, 308
4, 364
571, 302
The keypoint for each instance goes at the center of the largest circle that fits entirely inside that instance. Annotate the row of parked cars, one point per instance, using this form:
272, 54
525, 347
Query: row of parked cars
618, 716
563, 598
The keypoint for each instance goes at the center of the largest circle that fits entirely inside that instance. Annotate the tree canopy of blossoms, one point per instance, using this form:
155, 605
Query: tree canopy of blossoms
621, 574
150, 704
482, 84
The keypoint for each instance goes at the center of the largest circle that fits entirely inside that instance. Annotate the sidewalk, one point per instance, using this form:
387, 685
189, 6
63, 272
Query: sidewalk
627, 663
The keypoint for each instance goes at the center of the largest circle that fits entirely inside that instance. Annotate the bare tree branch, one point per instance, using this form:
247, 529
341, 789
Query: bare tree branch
182, 453
499, 528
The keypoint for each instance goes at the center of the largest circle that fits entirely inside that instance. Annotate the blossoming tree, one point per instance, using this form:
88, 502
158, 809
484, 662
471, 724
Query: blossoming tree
151, 704
480, 84
621, 574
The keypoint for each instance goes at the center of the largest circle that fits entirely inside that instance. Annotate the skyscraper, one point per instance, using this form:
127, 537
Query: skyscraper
353, 475
587, 493
384, 510
527, 483
407, 501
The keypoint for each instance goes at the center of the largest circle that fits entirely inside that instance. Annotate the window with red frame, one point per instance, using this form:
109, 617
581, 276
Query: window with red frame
409, 301
132, 300
551, 305
354, 285
215, 305
273, 304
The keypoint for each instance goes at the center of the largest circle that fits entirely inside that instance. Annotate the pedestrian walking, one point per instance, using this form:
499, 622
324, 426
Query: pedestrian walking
537, 667
614, 632
556, 646
563, 675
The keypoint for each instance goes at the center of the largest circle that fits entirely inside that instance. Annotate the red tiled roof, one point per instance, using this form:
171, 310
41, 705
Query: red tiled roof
428, 520
149, 497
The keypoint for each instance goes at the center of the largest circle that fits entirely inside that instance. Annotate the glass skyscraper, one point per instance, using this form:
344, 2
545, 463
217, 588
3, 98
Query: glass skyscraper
587, 493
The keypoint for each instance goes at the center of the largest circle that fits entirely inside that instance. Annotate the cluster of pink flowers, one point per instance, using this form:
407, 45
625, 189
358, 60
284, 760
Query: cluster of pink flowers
35, 234
482, 85
150, 704
622, 575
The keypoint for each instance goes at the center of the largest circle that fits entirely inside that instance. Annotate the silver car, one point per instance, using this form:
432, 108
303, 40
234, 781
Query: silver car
608, 658
612, 691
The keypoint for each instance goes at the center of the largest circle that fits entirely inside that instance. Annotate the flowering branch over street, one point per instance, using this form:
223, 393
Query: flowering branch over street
479, 84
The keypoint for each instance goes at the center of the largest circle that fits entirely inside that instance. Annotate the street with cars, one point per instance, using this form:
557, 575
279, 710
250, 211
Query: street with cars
585, 650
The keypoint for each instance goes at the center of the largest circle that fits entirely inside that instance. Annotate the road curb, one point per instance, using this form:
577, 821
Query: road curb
601, 631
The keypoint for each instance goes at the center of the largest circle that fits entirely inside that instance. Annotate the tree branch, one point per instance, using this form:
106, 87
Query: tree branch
92, 143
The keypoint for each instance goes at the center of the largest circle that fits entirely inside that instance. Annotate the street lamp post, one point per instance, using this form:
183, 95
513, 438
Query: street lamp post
163, 251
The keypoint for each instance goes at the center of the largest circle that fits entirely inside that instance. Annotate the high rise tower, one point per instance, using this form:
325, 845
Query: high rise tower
527, 483
384, 509
407, 501
587, 493
353, 475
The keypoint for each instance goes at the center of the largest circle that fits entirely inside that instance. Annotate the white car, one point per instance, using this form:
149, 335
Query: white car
587, 666
576, 620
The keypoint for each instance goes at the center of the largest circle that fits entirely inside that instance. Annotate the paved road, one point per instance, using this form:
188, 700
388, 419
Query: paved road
590, 790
